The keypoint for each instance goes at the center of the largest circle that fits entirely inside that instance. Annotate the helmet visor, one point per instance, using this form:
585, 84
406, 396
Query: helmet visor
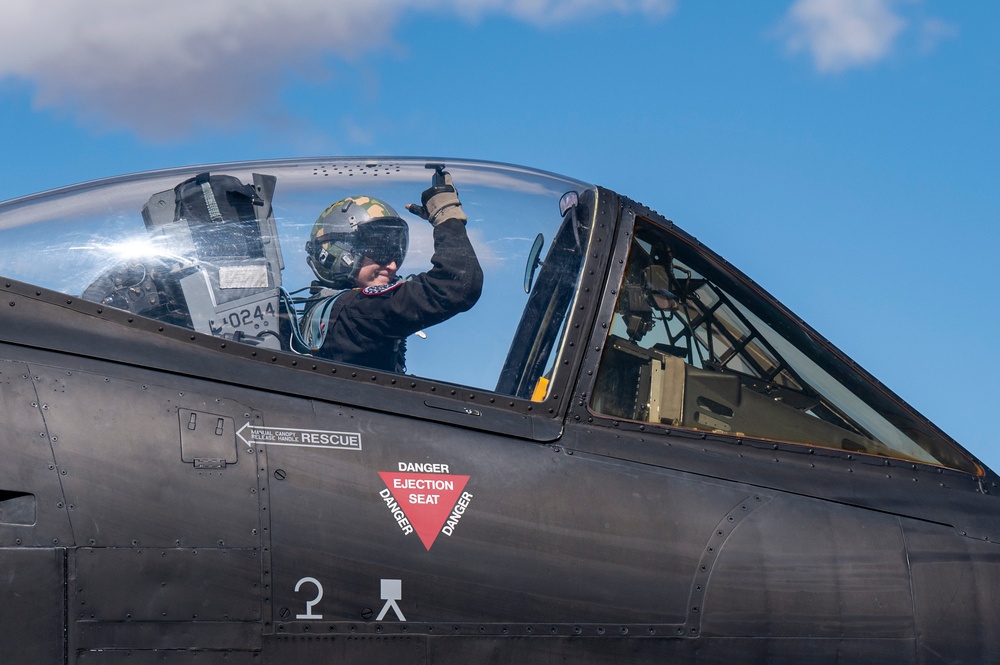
383, 241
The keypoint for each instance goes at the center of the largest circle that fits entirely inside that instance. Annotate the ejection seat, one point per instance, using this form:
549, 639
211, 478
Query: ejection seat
214, 263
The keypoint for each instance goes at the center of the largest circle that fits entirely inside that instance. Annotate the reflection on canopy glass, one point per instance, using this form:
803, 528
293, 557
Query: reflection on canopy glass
221, 251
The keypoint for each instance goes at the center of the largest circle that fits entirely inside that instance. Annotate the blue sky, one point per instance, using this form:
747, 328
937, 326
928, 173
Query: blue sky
843, 153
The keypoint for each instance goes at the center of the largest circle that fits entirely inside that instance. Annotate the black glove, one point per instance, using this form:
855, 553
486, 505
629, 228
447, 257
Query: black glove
440, 201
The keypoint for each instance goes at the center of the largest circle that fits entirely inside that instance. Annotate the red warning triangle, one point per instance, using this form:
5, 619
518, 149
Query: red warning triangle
426, 498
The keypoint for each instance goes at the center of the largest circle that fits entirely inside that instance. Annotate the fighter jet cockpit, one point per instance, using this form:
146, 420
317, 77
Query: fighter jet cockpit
694, 344
222, 251
242, 254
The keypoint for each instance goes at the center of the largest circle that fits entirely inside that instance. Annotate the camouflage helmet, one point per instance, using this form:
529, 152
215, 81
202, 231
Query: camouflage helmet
352, 229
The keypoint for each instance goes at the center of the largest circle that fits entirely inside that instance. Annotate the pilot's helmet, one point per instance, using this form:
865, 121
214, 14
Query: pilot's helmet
350, 230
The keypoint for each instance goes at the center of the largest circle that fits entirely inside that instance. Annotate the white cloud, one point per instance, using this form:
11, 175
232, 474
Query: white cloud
163, 68
840, 34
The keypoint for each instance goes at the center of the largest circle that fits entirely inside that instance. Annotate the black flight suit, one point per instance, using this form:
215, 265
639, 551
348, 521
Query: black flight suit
366, 326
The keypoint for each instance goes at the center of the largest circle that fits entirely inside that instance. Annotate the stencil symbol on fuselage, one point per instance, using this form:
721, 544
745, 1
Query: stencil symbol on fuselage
428, 503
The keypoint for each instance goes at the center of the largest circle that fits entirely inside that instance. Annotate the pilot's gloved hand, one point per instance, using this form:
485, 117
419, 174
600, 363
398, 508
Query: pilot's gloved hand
440, 201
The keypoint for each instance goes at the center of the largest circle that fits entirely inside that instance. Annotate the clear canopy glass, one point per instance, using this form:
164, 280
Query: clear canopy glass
235, 270
693, 344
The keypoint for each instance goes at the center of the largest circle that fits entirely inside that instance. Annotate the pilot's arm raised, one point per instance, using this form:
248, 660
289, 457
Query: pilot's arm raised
367, 319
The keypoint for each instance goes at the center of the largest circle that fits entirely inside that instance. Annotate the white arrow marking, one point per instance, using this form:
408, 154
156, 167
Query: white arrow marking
253, 435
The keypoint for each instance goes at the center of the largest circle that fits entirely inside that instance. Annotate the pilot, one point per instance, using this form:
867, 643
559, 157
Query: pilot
360, 311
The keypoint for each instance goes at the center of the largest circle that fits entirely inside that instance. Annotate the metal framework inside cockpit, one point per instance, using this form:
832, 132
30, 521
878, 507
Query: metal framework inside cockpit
695, 346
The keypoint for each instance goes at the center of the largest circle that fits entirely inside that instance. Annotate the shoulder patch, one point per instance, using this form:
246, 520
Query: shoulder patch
379, 290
